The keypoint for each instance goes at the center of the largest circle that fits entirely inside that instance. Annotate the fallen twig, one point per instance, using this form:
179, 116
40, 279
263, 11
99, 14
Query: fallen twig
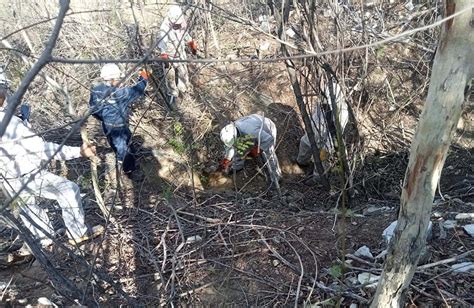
445, 261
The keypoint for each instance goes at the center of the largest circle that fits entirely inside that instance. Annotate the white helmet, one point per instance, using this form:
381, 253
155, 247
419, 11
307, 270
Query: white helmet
175, 13
229, 134
110, 71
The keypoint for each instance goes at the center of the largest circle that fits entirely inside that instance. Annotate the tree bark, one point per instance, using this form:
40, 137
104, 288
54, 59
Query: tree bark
451, 74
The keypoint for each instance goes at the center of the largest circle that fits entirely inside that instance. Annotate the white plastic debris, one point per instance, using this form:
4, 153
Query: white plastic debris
463, 267
388, 233
353, 305
364, 251
290, 33
265, 26
45, 302
464, 216
264, 46
469, 229
449, 224
3, 285
369, 279
409, 6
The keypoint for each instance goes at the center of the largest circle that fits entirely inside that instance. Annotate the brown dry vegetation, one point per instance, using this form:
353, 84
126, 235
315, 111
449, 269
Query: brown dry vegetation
255, 248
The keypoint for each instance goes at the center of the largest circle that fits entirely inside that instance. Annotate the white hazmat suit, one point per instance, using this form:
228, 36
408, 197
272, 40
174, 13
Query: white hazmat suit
21, 153
172, 42
321, 129
262, 133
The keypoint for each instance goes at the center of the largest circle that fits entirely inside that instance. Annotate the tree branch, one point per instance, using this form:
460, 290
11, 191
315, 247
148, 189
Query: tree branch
45, 57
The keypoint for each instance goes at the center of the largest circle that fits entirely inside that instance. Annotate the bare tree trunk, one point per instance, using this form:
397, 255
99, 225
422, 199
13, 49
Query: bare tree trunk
452, 72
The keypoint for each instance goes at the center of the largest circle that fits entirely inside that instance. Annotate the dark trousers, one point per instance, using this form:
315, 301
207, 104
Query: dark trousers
119, 139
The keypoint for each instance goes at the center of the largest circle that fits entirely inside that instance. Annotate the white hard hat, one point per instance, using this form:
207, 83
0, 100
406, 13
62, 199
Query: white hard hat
110, 71
175, 13
229, 134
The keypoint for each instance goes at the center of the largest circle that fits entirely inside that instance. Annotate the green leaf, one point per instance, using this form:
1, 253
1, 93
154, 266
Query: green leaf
335, 271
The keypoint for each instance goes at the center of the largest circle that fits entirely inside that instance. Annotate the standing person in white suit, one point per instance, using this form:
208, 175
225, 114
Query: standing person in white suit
172, 42
323, 125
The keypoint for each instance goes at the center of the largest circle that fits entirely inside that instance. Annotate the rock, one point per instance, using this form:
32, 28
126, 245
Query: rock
463, 267
369, 279
464, 216
300, 230
469, 229
193, 239
276, 239
388, 233
364, 252
22, 301
3, 285
449, 224
352, 280
275, 263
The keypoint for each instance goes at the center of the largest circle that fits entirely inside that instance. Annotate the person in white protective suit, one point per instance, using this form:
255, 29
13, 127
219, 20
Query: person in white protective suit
250, 136
172, 42
323, 125
21, 154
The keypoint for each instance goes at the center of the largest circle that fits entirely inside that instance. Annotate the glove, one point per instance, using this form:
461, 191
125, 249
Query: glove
255, 151
145, 74
224, 165
193, 46
165, 56
323, 155
88, 150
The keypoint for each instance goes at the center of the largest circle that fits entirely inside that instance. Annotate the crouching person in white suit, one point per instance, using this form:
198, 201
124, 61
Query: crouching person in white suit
250, 136
323, 125
21, 154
